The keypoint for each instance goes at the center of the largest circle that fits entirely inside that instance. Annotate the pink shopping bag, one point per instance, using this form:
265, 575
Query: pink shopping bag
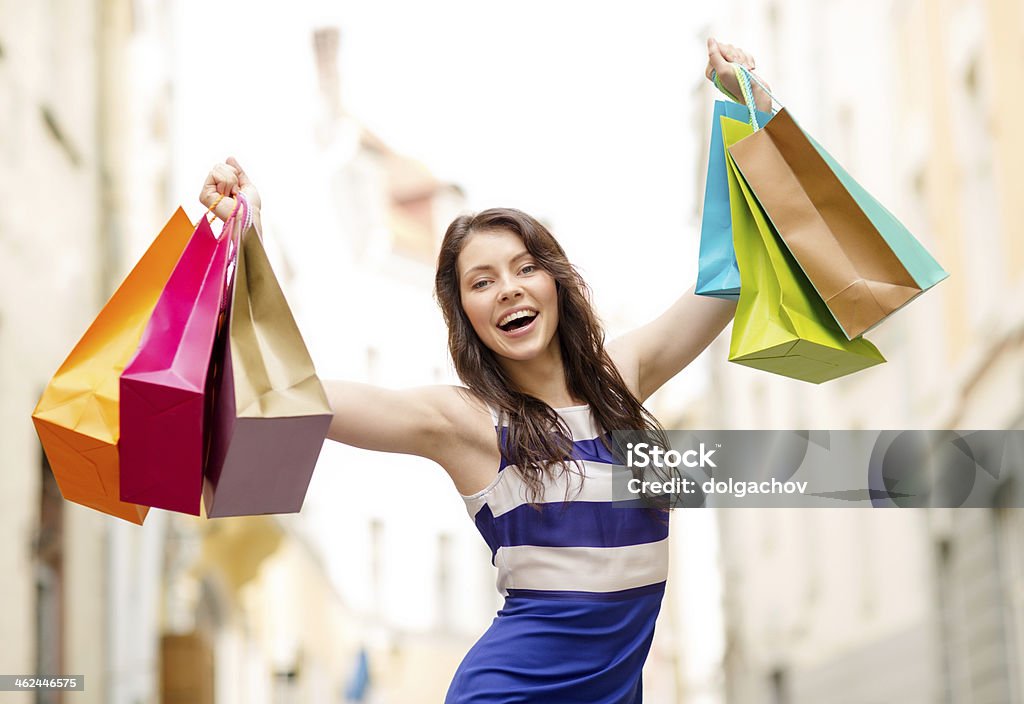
163, 388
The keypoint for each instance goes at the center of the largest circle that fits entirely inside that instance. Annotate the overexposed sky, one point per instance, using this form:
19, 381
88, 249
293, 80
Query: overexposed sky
587, 115
579, 113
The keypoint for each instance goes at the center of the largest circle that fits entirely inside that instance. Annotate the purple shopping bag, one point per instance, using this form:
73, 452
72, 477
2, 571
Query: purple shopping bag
163, 388
270, 412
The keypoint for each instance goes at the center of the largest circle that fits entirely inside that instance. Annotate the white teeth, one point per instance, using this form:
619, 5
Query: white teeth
516, 316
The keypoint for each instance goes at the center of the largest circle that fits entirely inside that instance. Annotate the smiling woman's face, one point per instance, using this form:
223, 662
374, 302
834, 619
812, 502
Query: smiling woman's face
511, 302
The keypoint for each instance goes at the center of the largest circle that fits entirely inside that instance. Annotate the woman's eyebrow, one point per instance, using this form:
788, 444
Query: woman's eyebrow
479, 267
489, 267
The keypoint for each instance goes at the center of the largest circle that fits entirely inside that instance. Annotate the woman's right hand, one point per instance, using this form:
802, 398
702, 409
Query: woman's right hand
228, 179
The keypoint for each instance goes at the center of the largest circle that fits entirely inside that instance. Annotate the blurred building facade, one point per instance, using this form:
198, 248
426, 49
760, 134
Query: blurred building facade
914, 98
181, 609
55, 241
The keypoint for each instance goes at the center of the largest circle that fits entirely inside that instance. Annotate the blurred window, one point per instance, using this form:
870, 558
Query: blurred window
49, 554
780, 693
1010, 522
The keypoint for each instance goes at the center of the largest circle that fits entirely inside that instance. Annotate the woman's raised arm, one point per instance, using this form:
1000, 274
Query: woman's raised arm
656, 352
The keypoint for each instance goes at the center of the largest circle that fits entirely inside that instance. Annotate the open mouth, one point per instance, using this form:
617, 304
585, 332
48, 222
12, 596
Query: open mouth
518, 320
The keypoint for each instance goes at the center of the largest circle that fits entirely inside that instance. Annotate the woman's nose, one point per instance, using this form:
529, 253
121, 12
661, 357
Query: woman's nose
510, 290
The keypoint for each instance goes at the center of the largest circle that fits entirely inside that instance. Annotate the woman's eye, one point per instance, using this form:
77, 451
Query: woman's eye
528, 269
479, 284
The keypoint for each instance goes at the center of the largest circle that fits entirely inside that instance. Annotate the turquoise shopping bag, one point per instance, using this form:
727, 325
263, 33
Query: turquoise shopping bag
717, 273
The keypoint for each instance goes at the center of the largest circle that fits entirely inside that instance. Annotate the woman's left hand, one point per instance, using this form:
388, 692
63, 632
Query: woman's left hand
719, 58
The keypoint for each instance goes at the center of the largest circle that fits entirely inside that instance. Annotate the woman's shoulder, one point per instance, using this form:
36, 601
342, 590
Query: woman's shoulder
465, 412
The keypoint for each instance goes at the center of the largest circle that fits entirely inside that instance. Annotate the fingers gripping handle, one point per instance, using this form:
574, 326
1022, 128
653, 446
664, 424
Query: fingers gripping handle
745, 77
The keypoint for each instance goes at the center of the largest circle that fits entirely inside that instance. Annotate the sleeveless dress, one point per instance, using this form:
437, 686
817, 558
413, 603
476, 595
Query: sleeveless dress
582, 579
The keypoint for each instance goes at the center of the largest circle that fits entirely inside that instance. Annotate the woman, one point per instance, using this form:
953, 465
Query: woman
523, 443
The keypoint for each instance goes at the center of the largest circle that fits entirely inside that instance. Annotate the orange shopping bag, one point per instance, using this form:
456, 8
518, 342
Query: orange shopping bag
77, 417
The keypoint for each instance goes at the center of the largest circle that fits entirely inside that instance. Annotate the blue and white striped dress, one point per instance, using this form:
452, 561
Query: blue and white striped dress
582, 580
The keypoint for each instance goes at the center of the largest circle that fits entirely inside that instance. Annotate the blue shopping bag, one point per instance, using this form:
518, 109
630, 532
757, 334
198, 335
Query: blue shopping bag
717, 273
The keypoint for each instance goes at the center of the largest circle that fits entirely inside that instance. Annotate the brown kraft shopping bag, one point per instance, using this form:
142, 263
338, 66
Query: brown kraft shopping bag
270, 413
850, 264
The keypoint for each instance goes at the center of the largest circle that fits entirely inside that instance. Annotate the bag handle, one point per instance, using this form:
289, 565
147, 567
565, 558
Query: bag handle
744, 76
721, 87
228, 230
243, 205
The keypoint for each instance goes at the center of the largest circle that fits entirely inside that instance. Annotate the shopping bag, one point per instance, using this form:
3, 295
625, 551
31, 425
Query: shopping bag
925, 271
77, 415
270, 413
717, 274
858, 257
782, 325
163, 394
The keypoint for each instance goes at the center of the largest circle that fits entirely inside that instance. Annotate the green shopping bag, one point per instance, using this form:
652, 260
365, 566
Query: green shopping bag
782, 325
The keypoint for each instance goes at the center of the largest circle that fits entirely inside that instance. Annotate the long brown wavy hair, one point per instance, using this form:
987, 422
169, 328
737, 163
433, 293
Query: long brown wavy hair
590, 373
